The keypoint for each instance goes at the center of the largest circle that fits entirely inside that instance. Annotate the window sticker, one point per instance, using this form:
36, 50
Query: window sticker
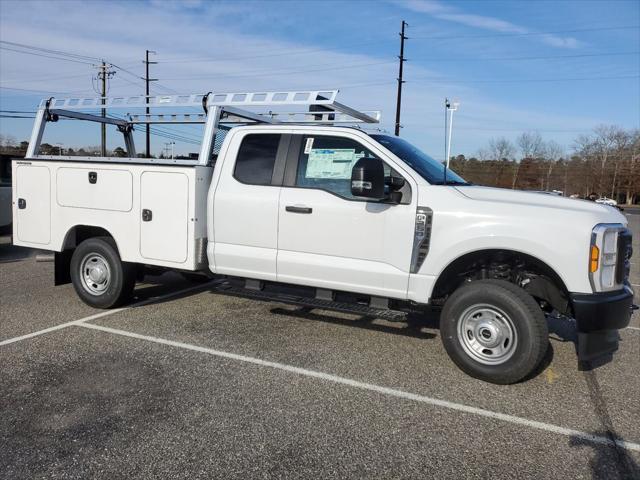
308, 146
331, 163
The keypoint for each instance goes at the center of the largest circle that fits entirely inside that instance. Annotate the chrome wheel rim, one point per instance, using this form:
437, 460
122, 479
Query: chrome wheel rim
487, 334
95, 274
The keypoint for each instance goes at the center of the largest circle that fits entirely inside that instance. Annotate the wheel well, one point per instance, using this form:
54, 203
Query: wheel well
75, 236
78, 234
526, 271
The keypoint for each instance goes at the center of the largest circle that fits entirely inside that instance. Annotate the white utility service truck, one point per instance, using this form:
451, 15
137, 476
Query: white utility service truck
297, 197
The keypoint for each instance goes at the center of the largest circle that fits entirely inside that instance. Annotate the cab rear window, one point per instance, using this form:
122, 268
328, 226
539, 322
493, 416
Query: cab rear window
256, 159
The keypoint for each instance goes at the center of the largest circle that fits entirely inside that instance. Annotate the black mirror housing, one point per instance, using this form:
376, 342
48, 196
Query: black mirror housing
367, 178
394, 183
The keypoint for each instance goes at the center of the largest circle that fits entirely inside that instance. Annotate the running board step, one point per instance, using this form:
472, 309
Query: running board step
303, 301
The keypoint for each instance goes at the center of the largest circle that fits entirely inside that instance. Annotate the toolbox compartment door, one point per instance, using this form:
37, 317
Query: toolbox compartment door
164, 216
97, 189
32, 204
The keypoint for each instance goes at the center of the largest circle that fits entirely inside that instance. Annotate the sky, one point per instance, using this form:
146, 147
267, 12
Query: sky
557, 67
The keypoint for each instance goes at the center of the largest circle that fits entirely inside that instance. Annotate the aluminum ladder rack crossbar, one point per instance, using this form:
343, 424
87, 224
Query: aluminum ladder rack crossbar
229, 118
240, 99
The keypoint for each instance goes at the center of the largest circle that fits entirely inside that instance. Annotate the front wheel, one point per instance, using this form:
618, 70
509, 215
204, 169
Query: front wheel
494, 331
98, 275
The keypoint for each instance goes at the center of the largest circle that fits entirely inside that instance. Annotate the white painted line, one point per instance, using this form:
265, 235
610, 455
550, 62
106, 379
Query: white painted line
376, 388
635, 284
633, 328
105, 313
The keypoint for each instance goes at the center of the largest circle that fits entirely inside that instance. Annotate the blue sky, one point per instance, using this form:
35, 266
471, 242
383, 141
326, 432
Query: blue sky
558, 67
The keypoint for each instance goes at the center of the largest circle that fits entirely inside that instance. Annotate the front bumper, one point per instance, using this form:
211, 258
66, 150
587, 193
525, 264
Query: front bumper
599, 316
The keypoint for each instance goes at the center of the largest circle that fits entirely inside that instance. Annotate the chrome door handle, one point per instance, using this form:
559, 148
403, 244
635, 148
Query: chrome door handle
295, 209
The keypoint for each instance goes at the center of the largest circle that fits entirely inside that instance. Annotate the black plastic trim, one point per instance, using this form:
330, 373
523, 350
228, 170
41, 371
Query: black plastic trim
599, 316
602, 311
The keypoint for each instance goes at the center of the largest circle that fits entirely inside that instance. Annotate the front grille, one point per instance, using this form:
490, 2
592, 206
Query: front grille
623, 265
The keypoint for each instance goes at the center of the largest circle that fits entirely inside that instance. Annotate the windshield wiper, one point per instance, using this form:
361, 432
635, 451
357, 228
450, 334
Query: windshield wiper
453, 182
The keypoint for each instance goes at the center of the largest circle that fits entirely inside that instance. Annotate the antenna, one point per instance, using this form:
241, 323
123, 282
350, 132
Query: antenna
449, 108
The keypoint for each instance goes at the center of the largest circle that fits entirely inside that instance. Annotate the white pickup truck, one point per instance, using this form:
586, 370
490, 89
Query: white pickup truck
296, 198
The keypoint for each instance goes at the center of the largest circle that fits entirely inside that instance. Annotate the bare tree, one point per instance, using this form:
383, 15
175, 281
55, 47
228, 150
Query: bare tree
501, 149
553, 152
7, 140
531, 145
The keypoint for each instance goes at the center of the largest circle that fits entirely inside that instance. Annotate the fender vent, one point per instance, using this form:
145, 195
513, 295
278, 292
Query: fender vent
421, 237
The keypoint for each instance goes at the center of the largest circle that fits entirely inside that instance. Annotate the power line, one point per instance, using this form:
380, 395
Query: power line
209, 59
16, 111
546, 57
47, 50
44, 91
281, 72
530, 80
46, 56
525, 34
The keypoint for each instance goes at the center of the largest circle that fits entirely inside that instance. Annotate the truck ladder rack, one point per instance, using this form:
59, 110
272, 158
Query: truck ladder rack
216, 109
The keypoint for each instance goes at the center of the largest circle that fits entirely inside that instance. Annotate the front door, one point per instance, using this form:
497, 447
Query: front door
327, 237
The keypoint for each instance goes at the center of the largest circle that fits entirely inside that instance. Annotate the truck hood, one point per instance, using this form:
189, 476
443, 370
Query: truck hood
534, 199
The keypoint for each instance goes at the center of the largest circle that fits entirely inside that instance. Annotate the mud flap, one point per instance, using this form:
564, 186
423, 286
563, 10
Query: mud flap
596, 348
62, 267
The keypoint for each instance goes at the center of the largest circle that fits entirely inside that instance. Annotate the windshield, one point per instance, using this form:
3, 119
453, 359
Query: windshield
428, 168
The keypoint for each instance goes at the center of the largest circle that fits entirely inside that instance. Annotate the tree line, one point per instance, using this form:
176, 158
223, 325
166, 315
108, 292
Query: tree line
605, 162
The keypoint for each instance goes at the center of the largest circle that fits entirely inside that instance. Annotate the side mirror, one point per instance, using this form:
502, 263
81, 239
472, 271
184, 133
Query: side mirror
367, 178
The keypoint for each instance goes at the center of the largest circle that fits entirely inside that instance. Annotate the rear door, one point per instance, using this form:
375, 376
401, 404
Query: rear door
32, 203
329, 238
245, 207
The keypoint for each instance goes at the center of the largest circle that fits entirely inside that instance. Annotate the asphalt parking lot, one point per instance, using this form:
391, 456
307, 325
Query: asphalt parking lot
187, 382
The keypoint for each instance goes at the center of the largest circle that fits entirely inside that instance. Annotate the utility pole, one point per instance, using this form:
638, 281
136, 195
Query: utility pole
104, 75
147, 81
400, 81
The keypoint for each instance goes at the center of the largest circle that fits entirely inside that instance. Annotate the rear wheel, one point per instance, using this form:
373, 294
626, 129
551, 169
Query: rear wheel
98, 275
494, 331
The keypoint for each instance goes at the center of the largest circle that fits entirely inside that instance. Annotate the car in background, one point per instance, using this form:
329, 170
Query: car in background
607, 201
5, 195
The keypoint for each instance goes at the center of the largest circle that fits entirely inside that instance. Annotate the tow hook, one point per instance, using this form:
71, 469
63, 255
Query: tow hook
634, 307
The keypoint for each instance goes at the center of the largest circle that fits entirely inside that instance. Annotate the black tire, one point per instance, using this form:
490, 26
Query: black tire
518, 315
121, 275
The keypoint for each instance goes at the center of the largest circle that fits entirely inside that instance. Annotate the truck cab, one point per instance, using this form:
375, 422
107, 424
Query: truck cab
338, 209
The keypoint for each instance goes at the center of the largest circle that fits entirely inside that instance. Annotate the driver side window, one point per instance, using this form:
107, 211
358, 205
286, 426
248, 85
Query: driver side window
325, 163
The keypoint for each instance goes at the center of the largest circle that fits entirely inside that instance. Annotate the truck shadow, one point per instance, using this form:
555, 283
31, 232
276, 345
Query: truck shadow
608, 461
408, 329
10, 253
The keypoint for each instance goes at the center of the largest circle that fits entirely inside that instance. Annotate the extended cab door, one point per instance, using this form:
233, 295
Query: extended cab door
245, 206
329, 238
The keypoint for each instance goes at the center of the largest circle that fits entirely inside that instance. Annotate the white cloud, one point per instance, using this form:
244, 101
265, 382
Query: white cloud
442, 11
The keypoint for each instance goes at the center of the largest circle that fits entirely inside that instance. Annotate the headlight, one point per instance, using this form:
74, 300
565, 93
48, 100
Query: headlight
609, 257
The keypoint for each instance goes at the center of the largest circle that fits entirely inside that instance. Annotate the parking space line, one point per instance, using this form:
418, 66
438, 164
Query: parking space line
633, 328
376, 388
106, 313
